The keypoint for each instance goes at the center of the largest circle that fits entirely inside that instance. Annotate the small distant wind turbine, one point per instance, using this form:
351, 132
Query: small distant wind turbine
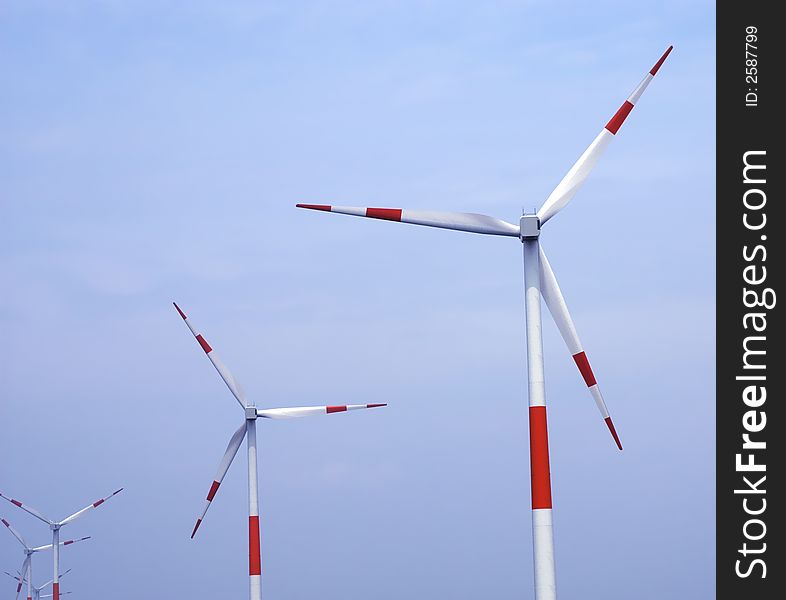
55, 527
27, 564
36, 590
249, 429
539, 281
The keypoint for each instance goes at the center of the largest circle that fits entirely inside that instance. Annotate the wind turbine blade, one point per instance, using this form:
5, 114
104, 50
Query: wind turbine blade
43, 585
23, 571
308, 411
234, 445
555, 301
65, 543
15, 533
89, 507
579, 172
444, 220
26, 508
225, 374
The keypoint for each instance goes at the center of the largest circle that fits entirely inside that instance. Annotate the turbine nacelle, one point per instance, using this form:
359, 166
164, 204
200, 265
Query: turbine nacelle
529, 227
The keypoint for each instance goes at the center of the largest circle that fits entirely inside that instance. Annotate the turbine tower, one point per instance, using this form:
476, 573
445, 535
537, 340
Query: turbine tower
249, 430
27, 565
539, 282
55, 527
36, 590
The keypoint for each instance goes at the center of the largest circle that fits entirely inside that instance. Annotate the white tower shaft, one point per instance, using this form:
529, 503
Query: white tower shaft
542, 529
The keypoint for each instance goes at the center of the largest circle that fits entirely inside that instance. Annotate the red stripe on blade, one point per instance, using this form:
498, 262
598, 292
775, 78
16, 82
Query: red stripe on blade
203, 342
539, 457
180, 312
213, 489
254, 561
314, 206
619, 118
198, 523
613, 432
16, 503
68, 542
584, 367
389, 214
375, 405
332, 409
98, 503
658, 64
5, 523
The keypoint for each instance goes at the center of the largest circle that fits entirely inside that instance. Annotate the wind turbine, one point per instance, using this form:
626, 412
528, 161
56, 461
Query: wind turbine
55, 527
540, 281
37, 595
249, 430
27, 564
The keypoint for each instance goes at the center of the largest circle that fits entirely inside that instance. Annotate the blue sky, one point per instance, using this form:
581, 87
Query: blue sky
154, 151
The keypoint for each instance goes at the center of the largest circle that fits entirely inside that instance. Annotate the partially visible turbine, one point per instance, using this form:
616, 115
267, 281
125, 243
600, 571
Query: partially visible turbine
37, 595
248, 429
55, 527
27, 565
539, 282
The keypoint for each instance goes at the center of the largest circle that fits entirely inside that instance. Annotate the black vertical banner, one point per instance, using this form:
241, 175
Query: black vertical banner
750, 425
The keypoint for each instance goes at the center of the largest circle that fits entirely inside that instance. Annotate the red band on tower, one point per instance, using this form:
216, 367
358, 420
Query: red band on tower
254, 561
539, 457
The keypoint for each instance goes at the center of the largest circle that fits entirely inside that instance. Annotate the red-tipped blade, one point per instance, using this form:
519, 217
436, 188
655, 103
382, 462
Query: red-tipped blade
470, 222
579, 172
92, 506
223, 371
223, 467
613, 432
308, 411
555, 301
198, 523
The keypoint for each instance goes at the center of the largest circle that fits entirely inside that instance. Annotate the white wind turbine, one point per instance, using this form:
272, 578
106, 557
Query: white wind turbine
27, 565
249, 430
36, 590
55, 527
539, 282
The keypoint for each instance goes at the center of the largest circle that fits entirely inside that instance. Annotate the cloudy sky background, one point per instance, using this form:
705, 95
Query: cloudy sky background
154, 151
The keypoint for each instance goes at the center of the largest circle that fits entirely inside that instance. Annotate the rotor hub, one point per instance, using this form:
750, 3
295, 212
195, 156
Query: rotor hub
251, 413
